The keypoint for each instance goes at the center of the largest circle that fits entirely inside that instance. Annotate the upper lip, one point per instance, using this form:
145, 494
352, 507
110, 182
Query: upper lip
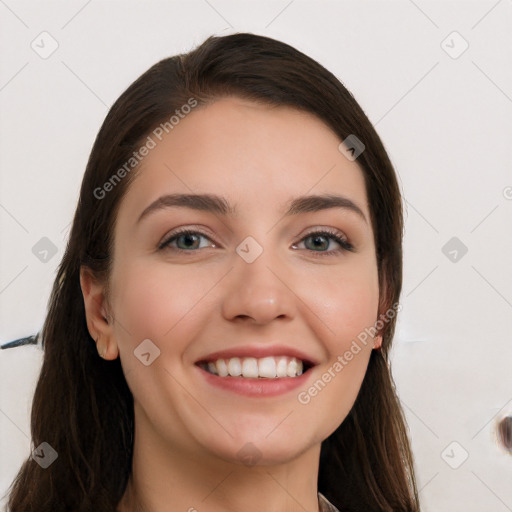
259, 351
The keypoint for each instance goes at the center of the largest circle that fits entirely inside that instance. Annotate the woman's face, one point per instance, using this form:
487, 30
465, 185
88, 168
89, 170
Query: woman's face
259, 281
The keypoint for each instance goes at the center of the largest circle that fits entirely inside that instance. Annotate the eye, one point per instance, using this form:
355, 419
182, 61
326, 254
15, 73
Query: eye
320, 240
187, 238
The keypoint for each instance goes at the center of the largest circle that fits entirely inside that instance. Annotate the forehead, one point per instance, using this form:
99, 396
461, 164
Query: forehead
255, 154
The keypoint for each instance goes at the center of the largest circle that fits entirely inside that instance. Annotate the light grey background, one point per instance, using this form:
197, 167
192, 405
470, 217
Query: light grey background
444, 115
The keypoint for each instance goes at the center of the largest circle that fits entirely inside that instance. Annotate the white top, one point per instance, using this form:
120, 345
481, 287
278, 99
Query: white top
325, 505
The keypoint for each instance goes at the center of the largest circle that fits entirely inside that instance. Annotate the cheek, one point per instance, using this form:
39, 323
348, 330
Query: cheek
165, 305
156, 301
345, 299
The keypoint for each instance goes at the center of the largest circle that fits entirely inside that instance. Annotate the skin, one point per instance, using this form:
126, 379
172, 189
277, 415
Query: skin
190, 304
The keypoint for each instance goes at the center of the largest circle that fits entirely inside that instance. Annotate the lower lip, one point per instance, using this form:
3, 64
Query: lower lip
259, 387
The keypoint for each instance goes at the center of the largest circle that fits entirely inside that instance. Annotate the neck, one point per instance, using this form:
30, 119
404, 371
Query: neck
178, 479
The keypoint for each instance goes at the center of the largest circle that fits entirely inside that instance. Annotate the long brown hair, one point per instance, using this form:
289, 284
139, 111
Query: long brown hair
82, 405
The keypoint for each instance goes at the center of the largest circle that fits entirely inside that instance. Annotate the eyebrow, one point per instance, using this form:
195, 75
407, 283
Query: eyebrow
219, 205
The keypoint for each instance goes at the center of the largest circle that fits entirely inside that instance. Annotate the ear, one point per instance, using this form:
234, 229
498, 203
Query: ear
99, 322
383, 306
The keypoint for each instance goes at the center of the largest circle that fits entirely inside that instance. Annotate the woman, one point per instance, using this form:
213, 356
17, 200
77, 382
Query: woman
219, 329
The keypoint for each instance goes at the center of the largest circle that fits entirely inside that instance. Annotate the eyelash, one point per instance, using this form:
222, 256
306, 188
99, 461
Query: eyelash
344, 244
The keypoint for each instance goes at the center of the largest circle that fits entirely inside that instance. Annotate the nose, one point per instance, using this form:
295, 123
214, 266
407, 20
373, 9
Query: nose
259, 292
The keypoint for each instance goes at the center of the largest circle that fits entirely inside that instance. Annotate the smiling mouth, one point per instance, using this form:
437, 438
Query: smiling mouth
271, 367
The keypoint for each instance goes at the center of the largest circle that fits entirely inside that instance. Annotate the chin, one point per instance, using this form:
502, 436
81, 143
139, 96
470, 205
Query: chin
261, 451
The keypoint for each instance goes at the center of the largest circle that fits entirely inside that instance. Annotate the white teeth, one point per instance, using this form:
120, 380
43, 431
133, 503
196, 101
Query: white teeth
267, 367
252, 368
291, 371
282, 366
234, 367
222, 368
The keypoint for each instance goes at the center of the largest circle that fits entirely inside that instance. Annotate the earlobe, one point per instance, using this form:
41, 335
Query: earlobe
377, 342
99, 324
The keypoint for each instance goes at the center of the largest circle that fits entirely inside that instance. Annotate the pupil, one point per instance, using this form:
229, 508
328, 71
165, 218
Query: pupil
319, 239
189, 238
